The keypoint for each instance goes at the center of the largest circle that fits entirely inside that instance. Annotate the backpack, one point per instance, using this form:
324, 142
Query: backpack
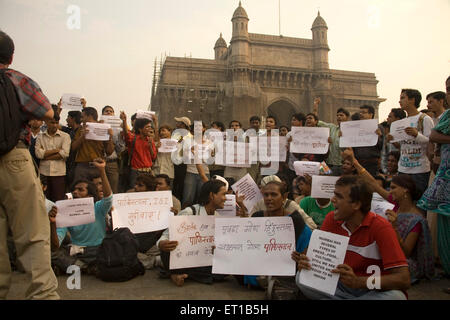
117, 257
10, 114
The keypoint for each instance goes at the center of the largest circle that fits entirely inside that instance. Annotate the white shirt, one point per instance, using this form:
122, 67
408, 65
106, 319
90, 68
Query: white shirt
413, 153
45, 142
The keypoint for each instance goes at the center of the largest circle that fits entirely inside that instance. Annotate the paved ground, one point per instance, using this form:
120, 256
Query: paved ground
151, 287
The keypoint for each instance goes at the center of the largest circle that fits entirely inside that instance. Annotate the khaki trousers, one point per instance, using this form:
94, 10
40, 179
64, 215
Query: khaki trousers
22, 208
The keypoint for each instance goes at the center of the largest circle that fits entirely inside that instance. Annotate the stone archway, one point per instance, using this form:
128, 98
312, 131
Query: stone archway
283, 111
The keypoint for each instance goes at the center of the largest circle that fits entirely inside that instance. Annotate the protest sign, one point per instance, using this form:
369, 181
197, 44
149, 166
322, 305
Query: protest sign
379, 205
248, 188
323, 186
142, 211
97, 131
70, 101
168, 145
360, 133
256, 246
229, 209
75, 212
325, 252
145, 114
306, 167
312, 140
195, 236
397, 130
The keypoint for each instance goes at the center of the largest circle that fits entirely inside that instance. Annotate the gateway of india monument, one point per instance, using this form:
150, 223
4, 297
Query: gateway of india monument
262, 75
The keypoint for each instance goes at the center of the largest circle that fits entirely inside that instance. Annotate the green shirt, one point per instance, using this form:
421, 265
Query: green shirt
318, 214
334, 155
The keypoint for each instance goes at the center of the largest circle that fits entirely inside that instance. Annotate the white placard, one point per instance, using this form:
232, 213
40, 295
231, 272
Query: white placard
168, 145
195, 236
397, 130
114, 121
145, 114
70, 101
256, 246
247, 187
379, 205
75, 212
306, 167
283, 148
97, 131
229, 209
325, 252
142, 211
359, 133
311, 140
323, 186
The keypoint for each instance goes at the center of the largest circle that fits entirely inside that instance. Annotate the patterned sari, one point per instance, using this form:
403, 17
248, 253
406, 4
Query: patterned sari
421, 260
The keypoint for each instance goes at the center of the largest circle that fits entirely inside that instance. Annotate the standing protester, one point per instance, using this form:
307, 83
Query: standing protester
436, 197
88, 150
53, 148
141, 147
334, 159
35, 128
182, 124
413, 153
22, 98
112, 161
370, 157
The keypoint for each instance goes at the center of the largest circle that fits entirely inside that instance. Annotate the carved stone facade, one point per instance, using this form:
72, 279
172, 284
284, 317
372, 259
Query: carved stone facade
260, 75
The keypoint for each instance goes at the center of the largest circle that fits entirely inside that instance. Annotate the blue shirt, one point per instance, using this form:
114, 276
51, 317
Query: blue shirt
92, 234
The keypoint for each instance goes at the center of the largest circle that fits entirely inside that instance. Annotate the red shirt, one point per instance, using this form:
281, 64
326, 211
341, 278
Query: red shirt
374, 242
142, 157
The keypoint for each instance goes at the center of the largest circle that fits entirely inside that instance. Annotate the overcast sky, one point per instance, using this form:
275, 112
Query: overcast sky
110, 58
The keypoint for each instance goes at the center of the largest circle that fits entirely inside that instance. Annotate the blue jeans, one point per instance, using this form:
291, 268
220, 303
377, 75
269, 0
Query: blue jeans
345, 293
192, 185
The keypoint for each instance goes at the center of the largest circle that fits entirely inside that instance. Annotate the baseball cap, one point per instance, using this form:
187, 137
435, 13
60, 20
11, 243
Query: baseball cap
185, 120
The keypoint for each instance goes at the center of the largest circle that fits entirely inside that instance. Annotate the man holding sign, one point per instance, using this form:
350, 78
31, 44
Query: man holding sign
85, 238
375, 267
88, 150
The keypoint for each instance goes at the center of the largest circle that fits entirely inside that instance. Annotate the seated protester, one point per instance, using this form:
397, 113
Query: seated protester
304, 185
347, 167
412, 228
392, 167
372, 242
85, 239
212, 197
275, 195
317, 209
408, 221
140, 145
289, 206
163, 163
163, 184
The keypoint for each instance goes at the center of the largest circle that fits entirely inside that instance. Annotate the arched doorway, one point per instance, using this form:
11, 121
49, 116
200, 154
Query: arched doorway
282, 111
